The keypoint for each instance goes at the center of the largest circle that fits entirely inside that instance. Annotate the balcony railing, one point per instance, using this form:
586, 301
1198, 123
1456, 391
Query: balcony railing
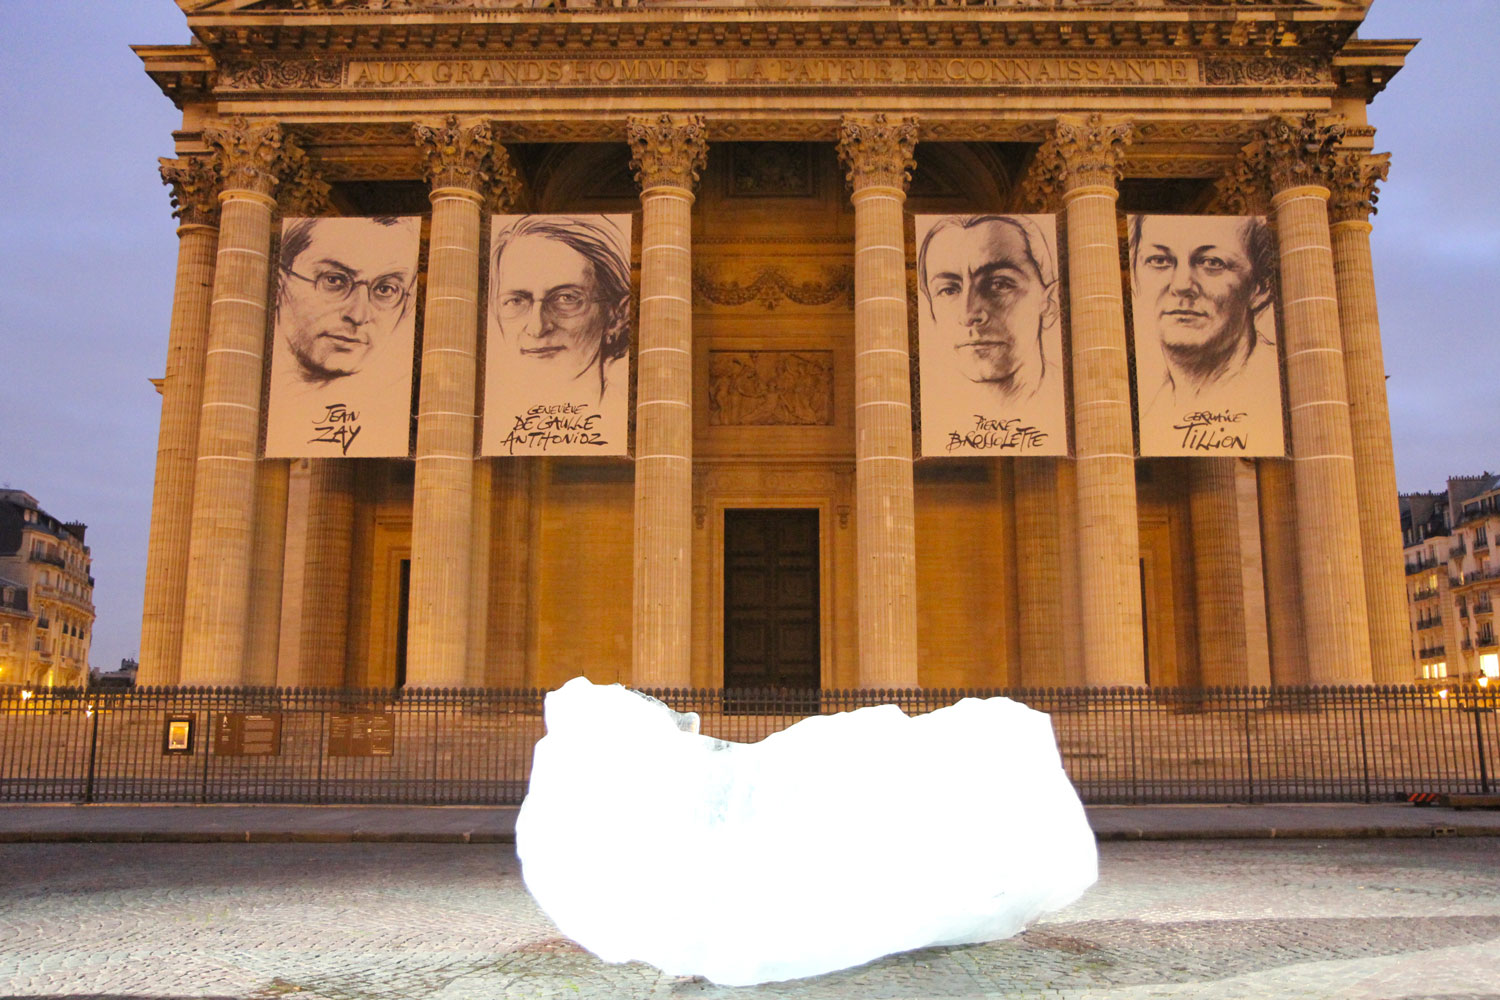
1432, 652
1424, 593
451, 747
43, 557
1413, 568
1429, 622
1484, 640
1458, 549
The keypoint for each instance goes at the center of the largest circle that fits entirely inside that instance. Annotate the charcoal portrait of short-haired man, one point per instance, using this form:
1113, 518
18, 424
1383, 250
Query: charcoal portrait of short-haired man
990, 330
342, 340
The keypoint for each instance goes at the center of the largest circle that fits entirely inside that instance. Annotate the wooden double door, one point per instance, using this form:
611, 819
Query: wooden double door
771, 599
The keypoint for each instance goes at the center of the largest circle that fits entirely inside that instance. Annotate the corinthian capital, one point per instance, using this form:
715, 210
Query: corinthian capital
1355, 174
505, 183
302, 191
1242, 189
877, 153
1089, 150
1296, 151
249, 154
195, 189
666, 150
455, 154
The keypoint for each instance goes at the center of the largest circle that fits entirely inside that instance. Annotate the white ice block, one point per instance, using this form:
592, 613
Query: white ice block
836, 841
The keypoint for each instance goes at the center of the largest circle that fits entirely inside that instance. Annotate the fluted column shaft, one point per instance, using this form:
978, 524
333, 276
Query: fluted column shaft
479, 573
1213, 503
1090, 153
1278, 541
443, 493
323, 637
510, 570
878, 158
1336, 621
668, 153
195, 192
267, 568
1369, 416
217, 590
1039, 578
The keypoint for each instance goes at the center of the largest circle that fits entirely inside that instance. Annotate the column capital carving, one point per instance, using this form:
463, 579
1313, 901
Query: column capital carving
455, 153
504, 192
1041, 190
1242, 190
1087, 150
1355, 174
302, 191
248, 152
195, 185
876, 152
666, 150
1295, 151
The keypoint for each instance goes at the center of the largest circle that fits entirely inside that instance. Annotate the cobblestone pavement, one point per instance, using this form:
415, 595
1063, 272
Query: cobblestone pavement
1376, 919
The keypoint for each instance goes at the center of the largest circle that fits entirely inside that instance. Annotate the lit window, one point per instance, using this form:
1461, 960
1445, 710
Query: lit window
1427, 671
1440, 669
1489, 664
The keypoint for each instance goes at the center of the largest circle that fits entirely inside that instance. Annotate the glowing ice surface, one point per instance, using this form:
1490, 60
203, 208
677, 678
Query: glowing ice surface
836, 841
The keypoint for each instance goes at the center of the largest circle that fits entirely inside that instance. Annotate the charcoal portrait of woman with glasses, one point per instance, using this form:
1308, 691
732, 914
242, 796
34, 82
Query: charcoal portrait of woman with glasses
556, 355
344, 322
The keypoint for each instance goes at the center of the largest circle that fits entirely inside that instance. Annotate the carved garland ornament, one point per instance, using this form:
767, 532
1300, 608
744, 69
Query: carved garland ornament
1265, 71
877, 153
195, 189
1355, 175
772, 285
667, 150
281, 74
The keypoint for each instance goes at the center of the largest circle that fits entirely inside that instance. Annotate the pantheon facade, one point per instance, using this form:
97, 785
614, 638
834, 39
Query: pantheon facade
773, 517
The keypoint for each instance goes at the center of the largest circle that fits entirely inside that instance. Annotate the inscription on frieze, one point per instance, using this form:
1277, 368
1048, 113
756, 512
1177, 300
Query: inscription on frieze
759, 388
808, 71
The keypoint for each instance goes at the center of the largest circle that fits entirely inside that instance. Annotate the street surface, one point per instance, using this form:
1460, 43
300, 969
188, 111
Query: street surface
1376, 919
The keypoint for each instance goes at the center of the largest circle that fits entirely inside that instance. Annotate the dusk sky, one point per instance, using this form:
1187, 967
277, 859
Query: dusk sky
90, 250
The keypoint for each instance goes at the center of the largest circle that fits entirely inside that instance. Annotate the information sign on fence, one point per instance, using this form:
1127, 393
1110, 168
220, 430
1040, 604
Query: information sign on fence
247, 734
361, 734
177, 733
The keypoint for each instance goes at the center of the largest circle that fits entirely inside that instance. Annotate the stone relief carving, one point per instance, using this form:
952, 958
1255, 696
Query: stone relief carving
1091, 150
194, 181
1270, 71
771, 170
1293, 151
759, 388
250, 155
281, 74
667, 150
772, 285
303, 191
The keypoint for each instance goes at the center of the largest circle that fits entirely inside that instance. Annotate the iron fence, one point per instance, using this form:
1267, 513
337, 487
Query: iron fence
474, 747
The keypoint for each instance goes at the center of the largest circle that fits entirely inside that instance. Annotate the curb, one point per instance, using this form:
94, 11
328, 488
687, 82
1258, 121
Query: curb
244, 837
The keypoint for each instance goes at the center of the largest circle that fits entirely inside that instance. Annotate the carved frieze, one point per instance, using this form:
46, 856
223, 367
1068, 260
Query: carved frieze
771, 170
195, 184
765, 388
281, 74
772, 285
877, 152
1354, 179
1265, 71
667, 150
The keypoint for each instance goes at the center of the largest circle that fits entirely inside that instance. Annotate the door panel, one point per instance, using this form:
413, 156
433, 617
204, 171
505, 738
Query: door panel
771, 599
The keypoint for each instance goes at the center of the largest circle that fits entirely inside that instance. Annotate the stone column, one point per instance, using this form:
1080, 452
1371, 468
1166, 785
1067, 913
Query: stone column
1213, 505
1278, 541
1354, 178
459, 160
195, 199
479, 572
217, 591
1298, 154
667, 152
322, 580
1039, 577
877, 157
510, 572
1088, 154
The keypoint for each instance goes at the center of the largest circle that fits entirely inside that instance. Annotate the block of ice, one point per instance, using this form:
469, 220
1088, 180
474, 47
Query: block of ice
836, 841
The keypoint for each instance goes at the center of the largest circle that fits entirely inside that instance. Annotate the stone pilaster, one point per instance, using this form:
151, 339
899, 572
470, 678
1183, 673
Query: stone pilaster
460, 165
1088, 154
667, 152
1354, 178
1297, 155
877, 156
216, 602
194, 181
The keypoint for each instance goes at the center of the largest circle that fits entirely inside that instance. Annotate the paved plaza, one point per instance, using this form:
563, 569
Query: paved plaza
1388, 919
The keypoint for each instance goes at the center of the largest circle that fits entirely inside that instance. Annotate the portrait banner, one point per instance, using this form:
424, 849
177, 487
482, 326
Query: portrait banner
1207, 369
343, 334
557, 349
989, 328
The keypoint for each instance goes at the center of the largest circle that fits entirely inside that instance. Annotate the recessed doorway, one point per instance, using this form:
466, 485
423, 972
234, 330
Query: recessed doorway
771, 599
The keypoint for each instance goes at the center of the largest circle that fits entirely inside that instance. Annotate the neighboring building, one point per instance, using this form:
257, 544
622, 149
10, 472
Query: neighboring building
1453, 579
46, 596
117, 680
770, 522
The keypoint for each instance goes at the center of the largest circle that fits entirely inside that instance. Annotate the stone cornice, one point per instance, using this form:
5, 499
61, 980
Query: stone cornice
666, 150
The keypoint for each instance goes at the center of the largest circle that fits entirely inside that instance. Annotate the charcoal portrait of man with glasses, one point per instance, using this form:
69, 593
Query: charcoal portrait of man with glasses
557, 348
344, 316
